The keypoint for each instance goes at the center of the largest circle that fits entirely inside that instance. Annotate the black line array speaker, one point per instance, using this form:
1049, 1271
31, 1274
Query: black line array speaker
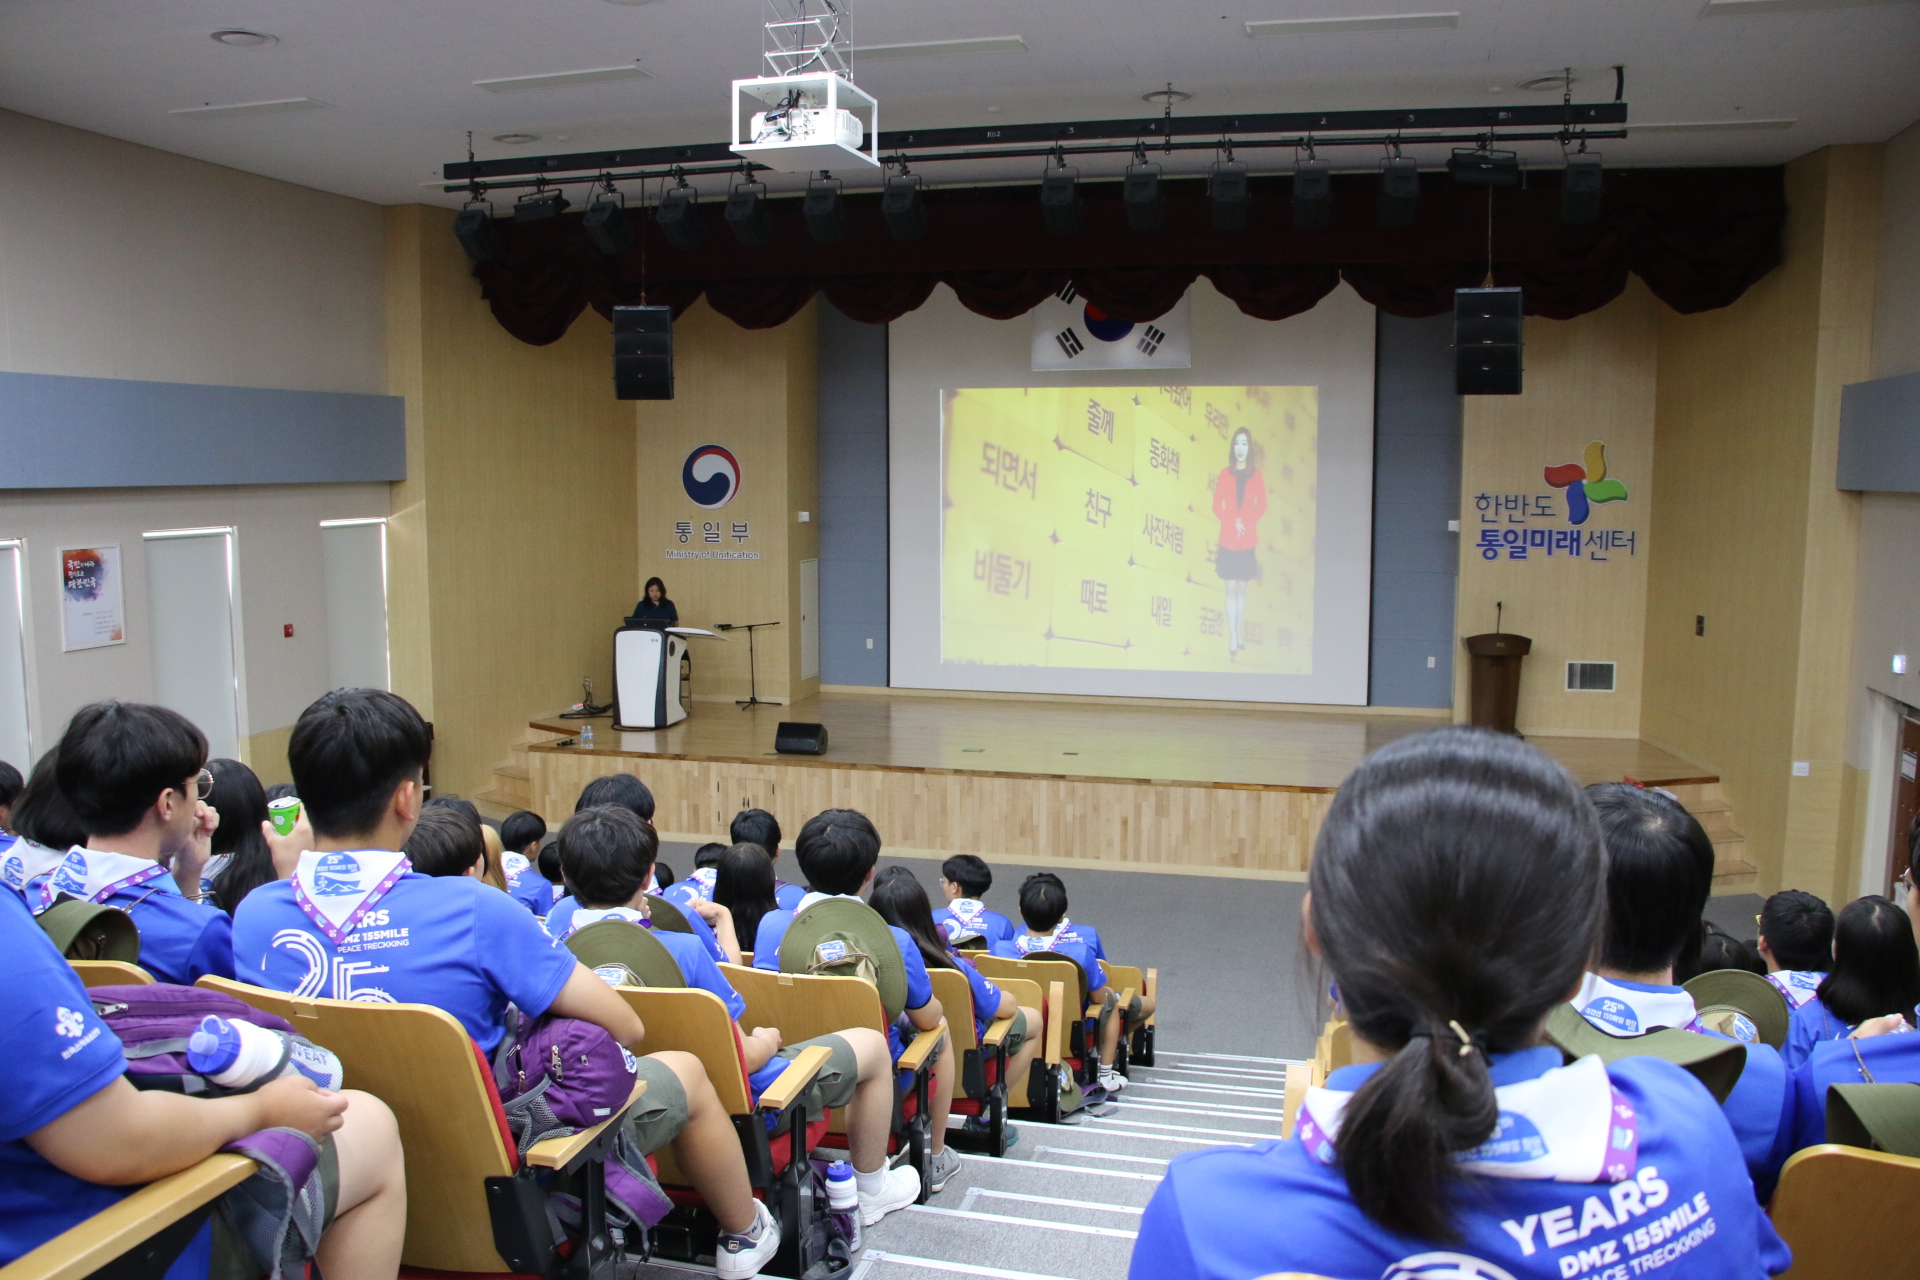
1487, 342
799, 738
643, 353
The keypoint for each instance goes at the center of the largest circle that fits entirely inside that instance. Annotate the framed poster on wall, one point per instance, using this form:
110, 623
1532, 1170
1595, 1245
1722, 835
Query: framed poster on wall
92, 604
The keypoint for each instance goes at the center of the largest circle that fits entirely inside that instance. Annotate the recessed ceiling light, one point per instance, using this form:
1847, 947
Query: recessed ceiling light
274, 107
1342, 26
516, 139
236, 38
1550, 84
561, 79
1166, 97
933, 48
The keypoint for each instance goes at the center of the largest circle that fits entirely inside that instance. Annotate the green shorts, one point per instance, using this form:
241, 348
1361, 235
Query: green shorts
1111, 1006
1016, 1034
834, 1086
658, 1115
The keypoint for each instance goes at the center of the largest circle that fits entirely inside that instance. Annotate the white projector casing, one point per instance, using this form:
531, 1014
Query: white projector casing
826, 127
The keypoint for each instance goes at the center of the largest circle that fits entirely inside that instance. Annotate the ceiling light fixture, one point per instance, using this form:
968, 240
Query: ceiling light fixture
1312, 193
273, 107
1399, 191
1229, 197
1582, 188
1060, 199
539, 206
1167, 98
475, 231
904, 206
236, 38
678, 216
1349, 26
820, 208
1140, 194
748, 215
561, 79
516, 139
934, 48
606, 223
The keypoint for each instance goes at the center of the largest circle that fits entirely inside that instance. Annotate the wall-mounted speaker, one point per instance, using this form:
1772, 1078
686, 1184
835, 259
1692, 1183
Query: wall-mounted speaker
643, 353
1487, 343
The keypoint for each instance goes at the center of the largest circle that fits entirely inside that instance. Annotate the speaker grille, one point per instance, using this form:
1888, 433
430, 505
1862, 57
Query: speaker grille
1487, 336
643, 353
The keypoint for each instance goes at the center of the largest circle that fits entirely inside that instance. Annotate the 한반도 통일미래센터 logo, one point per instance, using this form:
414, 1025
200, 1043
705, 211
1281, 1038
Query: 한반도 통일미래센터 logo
711, 476
1586, 485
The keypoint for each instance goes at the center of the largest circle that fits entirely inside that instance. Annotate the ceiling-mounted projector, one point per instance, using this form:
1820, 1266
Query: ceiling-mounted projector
803, 122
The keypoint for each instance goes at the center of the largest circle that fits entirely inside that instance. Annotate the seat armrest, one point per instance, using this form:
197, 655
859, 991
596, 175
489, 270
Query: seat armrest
1152, 985
1126, 998
560, 1153
1056, 1012
996, 1033
921, 1048
792, 1082
84, 1248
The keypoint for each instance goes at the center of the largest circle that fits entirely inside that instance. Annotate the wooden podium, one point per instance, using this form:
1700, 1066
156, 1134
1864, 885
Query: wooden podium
1494, 679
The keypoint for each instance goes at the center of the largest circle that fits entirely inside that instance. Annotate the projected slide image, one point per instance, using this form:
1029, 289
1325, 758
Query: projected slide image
1138, 528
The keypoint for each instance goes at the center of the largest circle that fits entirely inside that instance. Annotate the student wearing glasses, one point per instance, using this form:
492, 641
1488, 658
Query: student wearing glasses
137, 782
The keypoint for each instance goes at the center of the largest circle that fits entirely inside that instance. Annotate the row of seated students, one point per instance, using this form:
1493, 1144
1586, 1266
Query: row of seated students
378, 896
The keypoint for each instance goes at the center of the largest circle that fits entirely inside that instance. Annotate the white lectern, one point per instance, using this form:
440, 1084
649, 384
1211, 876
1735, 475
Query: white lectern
646, 674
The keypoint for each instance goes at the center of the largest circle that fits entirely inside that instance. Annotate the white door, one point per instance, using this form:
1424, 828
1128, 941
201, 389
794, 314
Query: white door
191, 584
15, 746
809, 619
355, 553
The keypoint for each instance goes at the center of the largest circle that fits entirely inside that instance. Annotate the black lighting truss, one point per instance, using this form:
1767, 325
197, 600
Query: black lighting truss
1429, 126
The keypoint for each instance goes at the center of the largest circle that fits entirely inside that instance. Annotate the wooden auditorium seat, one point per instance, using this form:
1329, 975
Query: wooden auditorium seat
1840, 1209
139, 1237
1063, 1016
982, 1060
1138, 1047
110, 973
473, 1204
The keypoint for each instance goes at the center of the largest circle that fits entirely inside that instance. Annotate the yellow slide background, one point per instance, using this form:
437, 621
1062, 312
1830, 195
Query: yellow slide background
1078, 527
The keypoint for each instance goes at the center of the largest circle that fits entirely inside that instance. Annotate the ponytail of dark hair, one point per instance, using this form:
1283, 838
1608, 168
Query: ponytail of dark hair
901, 900
1456, 897
1876, 965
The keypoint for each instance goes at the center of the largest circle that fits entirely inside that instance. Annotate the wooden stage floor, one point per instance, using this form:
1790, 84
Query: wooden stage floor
1009, 738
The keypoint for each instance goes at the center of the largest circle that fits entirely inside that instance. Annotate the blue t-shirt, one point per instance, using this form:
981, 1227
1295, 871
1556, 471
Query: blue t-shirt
1889, 1059
179, 940
766, 955
559, 917
532, 890
54, 1055
448, 941
990, 925
1812, 1023
1066, 944
787, 896
1234, 1213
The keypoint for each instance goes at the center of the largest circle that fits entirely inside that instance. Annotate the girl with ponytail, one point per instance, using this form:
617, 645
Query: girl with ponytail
1456, 897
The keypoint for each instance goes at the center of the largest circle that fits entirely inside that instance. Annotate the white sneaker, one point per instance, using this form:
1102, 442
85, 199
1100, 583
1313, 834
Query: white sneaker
740, 1257
1112, 1081
902, 1189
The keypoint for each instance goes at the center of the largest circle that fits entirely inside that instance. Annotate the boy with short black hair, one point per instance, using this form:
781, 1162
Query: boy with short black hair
520, 837
757, 826
1796, 941
446, 842
135, 778
358, 922
837, 850
11, 784
965, 879
1043, 907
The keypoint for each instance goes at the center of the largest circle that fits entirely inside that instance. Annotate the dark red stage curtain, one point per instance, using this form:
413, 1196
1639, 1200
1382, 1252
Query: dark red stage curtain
1697, 237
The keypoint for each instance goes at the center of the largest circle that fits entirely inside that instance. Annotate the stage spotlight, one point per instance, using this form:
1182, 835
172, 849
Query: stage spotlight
1399, 192
476, 233
826, 223
1582, 188
1140, 193
678, 217
747, 214
1312, 194
1060, 201
904, 207
1229, 198
607, 225
1474, 167
539, 206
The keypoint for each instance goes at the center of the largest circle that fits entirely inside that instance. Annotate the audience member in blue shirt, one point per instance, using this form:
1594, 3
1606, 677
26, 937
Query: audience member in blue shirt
135, 777
1880, 1050
757, 826
77, 1137
1875, 972
837, 851
1796, 941
698, 886
520, 837
388, 906
1659, 877
743, 883
46, 828
1455, 895
11, 785
964, 881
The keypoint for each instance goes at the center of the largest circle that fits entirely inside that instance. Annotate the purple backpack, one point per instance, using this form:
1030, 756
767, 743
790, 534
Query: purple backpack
560, 1075
154, 1022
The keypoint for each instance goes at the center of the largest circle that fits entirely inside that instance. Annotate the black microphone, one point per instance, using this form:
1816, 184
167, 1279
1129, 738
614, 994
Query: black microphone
723, 626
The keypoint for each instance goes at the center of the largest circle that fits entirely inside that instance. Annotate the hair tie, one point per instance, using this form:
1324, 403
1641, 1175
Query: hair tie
1466, 1041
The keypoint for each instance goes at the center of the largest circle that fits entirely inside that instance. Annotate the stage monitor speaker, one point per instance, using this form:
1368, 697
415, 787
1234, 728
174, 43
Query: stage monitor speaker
1487, 343
798, 738
643, 353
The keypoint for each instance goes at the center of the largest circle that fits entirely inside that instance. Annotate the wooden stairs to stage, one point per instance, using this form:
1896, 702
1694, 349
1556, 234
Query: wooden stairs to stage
1732, 873
512, 788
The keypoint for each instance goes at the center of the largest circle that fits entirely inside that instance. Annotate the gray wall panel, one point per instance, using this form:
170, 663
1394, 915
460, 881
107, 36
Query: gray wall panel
1880, 435
853, 499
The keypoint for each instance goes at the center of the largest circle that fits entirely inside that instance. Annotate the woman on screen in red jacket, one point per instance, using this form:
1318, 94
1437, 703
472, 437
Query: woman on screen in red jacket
1239, 500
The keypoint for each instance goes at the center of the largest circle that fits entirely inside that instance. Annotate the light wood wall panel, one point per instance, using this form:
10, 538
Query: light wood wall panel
750, 391
512, 541
1263, 829
1751, 535
1590, 378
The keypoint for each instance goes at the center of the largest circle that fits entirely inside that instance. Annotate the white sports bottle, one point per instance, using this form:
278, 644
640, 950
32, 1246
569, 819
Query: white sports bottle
239, 1055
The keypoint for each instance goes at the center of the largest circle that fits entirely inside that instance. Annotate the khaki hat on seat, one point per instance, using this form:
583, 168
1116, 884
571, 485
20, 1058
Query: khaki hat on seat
1721, 996
628, 952
841, 933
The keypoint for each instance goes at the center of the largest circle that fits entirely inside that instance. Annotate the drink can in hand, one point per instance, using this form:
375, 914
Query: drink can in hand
284, 813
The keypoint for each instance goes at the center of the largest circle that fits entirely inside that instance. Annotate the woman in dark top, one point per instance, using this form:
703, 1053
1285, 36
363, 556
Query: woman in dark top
654, 605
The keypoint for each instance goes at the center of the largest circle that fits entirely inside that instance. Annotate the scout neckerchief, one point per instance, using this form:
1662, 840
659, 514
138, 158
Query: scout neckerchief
96, 875
337, 889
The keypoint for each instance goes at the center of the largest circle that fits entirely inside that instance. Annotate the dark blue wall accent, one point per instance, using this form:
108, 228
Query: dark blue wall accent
1416, 490
853, 499
1880, 435
100, 433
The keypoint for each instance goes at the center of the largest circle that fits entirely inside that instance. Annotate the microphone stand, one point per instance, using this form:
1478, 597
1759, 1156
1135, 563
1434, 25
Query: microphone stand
753, 698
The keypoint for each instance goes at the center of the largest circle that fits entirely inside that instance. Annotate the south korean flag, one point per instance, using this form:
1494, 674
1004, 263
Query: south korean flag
1071, 333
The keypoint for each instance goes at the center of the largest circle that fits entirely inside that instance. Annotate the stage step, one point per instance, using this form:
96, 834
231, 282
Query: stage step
1732, 872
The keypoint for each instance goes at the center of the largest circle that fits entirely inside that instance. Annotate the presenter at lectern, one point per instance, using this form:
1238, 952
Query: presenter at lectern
654, 605
1239, 500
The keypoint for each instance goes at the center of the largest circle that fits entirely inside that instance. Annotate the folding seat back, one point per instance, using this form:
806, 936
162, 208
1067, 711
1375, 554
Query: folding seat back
110, 973
1125, 977
1062, 1016
1829, 1207
982, 1061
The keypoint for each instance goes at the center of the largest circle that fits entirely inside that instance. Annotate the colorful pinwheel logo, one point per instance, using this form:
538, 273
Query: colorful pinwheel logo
1586, 484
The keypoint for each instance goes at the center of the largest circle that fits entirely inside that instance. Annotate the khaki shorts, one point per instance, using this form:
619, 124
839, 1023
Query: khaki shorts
1016, 1034
1108, 1008
660, 1113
